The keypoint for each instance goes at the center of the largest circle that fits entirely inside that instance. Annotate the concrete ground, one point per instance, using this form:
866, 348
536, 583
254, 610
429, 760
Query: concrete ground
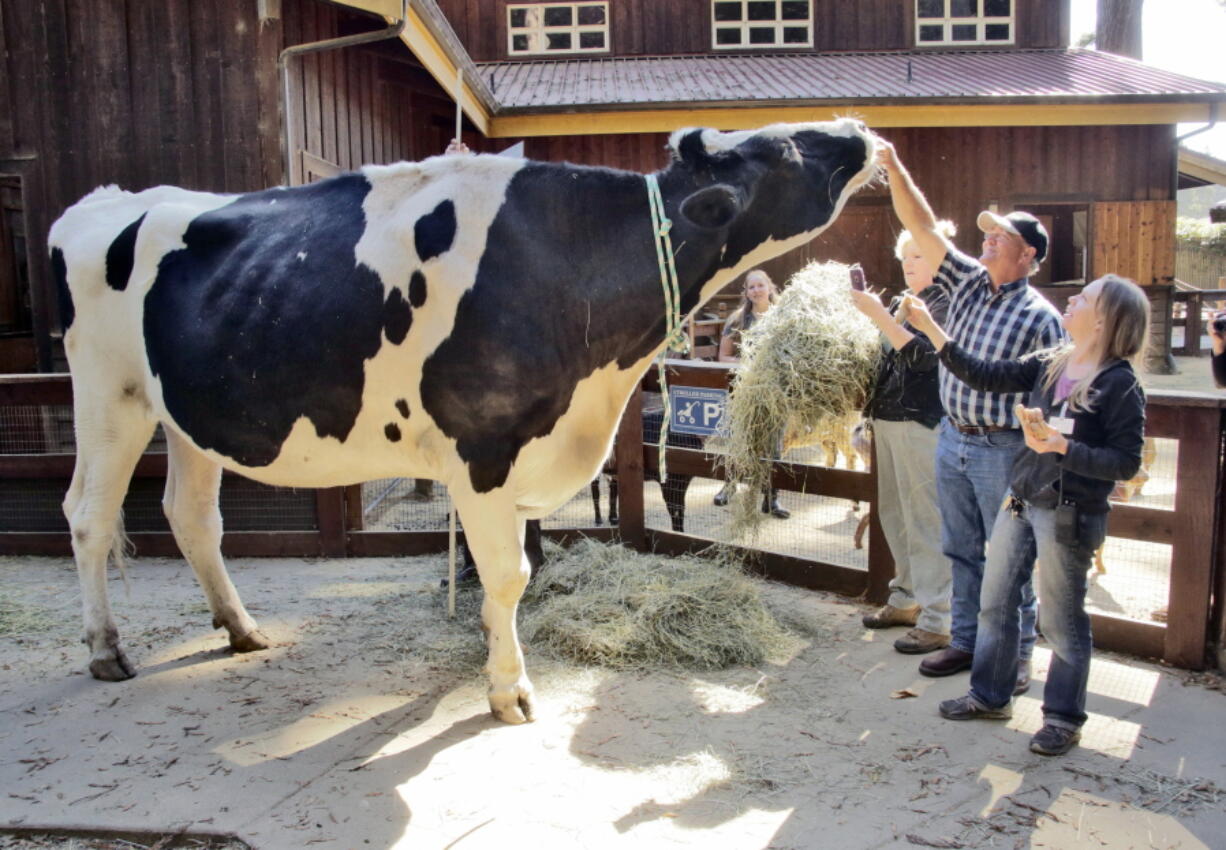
366, 726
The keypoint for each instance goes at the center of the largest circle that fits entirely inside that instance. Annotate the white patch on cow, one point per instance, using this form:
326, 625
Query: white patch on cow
302, 255
716, 141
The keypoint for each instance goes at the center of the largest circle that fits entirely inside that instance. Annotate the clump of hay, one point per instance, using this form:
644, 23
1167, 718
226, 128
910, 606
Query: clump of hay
607, 605
18, 617
808, 362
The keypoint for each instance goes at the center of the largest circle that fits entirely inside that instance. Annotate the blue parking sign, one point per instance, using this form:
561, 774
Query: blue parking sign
697, 410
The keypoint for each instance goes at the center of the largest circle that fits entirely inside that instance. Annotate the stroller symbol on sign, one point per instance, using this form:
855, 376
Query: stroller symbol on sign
686, 414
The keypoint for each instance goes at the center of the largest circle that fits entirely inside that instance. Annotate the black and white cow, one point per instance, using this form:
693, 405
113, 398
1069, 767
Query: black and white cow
480, 321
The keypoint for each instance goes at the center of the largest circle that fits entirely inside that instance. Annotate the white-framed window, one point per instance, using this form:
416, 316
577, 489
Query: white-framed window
955, 22
741, 24
547, 28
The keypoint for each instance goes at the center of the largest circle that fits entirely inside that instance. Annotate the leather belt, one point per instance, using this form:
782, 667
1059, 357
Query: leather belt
981, 429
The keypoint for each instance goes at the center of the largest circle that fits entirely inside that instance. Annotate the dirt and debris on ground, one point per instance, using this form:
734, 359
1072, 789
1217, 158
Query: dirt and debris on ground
366, 725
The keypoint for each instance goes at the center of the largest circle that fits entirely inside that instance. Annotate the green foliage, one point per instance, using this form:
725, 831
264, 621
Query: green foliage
1194, 233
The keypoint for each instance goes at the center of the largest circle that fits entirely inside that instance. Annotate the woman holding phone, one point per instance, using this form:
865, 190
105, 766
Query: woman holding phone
1084, 430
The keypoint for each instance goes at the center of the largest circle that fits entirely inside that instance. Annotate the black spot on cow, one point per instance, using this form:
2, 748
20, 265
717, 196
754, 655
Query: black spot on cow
434, 232
397, 317
59, 277
266, 317
417, 289
403, 407
596, 270
121, 255
392, 430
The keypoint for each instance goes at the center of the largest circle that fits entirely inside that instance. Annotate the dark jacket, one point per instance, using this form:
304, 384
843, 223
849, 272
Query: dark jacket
907, 386
1106, 442
1219, 369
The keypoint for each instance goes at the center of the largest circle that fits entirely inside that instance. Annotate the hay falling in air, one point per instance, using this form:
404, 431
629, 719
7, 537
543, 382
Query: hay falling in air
609, 606
808, 362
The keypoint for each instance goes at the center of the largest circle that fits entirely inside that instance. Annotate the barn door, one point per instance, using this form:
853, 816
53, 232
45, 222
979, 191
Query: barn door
1135, 239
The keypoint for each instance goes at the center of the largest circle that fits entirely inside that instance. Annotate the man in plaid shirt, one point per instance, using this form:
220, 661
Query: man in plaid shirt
993, 314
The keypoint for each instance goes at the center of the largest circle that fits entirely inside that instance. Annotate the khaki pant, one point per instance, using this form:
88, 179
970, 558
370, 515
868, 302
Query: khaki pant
911, 519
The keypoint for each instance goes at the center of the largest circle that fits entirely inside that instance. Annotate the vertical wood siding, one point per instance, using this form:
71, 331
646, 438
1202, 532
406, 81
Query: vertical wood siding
183, 92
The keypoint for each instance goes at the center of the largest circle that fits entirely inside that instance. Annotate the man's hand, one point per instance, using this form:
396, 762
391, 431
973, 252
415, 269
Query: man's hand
1216, 339
455, 146
887, 156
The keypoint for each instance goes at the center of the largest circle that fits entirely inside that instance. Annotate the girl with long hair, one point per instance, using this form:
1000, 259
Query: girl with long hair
1084, 429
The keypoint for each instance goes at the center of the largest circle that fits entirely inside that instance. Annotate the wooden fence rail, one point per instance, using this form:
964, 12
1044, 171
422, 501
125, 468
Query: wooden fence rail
1195, 529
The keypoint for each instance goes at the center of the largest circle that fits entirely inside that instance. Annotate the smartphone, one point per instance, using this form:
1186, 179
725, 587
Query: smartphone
857, 277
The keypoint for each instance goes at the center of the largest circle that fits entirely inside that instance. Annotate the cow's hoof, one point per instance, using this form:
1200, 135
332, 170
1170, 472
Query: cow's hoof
112, 666
253, 641
513, 704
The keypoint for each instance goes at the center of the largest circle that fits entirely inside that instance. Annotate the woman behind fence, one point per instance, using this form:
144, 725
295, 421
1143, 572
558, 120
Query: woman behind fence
760, 294
1085, 431
904, 408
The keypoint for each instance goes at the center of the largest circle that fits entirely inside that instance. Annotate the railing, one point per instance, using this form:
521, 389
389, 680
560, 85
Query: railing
329, 522
1188, 308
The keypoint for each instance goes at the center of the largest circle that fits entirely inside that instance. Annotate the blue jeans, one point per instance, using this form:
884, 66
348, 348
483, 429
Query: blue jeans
972, 479
1016, 539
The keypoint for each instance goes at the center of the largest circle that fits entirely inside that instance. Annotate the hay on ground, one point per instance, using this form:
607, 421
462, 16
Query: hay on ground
808, 363
18, 617
607, 605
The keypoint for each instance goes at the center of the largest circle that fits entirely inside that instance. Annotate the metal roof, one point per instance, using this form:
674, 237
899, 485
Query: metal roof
1019, 76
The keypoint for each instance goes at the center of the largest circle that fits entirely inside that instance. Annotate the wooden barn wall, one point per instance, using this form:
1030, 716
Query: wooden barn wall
670, 27
178, 91
960, 170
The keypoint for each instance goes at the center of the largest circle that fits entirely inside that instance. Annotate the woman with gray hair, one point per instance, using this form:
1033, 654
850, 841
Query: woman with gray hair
904, 409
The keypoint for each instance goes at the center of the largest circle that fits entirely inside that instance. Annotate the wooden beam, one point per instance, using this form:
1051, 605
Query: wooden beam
435, 60
629, 460
599, 121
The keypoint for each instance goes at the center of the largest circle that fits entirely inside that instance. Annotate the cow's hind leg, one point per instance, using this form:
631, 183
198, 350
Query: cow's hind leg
110, 439
496, 537
193, 484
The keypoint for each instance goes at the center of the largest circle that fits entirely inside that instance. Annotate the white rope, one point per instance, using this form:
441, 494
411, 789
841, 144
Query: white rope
674, 338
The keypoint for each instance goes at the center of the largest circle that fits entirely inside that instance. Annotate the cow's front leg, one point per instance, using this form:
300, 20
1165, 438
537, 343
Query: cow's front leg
496, 538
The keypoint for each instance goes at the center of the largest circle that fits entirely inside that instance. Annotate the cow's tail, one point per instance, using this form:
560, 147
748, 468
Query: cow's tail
121, 550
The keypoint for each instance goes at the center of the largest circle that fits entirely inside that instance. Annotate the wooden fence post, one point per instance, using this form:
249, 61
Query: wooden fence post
1197, 492
629, 453
330, 514
880, 560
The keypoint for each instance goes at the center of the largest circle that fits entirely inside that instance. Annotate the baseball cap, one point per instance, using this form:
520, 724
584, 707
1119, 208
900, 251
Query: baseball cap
1021, 224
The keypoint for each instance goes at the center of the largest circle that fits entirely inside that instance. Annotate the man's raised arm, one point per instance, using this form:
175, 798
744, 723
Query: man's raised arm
912, 208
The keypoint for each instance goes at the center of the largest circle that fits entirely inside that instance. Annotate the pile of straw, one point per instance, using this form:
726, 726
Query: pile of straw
810, 360
609, 606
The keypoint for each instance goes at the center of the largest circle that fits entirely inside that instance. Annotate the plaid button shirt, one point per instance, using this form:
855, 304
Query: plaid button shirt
991, 325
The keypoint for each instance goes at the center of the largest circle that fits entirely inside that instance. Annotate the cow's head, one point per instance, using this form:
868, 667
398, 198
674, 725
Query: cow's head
782, 183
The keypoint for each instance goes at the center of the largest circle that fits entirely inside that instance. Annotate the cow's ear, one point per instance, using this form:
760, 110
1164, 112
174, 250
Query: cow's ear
712, 207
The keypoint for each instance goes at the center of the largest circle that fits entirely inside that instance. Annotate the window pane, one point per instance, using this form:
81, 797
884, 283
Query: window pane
727, 35
996, 32
795, 35
795, 11
996, 8
963, 32
519, 43
558, 41
932, 32
728, 11
963, 8
762, 11
519, 17
591, 15
762, 35
930, 9
557, 16
591, 39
